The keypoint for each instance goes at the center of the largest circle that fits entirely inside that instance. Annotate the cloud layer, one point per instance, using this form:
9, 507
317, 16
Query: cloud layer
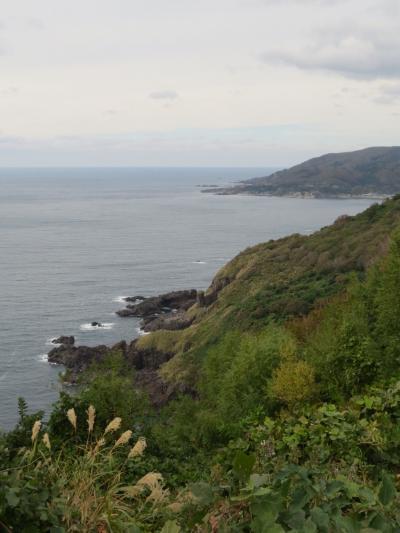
188, 82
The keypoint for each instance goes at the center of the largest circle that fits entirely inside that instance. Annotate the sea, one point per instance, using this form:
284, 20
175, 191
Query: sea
75, 241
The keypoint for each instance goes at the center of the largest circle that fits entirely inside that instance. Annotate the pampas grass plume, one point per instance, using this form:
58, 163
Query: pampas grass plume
124, 438
71, 415
35, 430
46, 441
91, 412
113, 425
139, 448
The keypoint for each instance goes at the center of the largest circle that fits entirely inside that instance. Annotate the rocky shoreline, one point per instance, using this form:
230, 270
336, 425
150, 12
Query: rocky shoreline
164, 312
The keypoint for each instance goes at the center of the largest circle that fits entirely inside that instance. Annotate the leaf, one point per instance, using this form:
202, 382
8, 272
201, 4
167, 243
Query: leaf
320, 518
12, 498
265, 514
171, 527
202, 492
243, 465
346, 524
133, 529
387, 491
257, 480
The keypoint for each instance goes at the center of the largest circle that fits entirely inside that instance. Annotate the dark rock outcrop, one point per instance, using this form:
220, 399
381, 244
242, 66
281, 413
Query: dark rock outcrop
162, 304
135, 299
68, 340
169, 321
77, 359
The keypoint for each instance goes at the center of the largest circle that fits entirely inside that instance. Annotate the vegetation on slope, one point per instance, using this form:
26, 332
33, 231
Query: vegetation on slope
274, 281
372, 171
294, 424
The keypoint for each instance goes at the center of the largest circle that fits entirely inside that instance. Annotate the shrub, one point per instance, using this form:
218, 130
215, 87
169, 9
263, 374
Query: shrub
293, 383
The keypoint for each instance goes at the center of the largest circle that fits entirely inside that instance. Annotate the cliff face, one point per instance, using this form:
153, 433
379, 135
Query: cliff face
373, 171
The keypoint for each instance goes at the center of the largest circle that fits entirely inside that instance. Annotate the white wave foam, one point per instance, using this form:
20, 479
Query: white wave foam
120, 299
50, 342
89, 327
141, 332
43, 358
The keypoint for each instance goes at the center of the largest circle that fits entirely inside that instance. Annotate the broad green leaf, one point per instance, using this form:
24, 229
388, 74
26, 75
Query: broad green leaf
257, 480
243, 465
12, 498
171, 527
387, 490
265, 514
320, 518
202, 492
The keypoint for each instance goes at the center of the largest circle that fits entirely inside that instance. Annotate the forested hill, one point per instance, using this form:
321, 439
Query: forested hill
372, 171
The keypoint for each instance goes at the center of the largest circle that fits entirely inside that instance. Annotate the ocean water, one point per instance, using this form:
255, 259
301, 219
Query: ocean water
74, 241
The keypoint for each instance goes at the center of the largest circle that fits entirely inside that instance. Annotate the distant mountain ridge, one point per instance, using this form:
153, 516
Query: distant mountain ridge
369, 172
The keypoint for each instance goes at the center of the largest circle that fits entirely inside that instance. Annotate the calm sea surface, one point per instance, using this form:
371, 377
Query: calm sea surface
74, 241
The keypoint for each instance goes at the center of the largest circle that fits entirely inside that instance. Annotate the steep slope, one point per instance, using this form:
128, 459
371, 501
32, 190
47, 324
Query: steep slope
373, 171
273, 281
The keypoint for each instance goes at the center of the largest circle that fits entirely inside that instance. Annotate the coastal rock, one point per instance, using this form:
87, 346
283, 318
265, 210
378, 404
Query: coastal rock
149, 358
68, 340
204, 299
169, 321
134, 298
157, 305
96, 324
77, 358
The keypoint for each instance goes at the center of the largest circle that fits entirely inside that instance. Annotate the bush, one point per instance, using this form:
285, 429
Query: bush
293, 383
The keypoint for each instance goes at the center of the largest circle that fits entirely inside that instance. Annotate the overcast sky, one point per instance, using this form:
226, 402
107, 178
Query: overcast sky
196, 82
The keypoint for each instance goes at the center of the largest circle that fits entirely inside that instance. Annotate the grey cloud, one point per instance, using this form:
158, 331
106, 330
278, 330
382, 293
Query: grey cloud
10, 139
33, 23
9, 91
389, 94
164, 95
363, 53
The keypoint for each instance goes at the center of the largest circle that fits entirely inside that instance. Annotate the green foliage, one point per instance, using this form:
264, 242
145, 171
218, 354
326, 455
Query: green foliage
293, 382
110, 387
291, 424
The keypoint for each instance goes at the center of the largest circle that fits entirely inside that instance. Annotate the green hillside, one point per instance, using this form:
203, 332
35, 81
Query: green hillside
277, 280
285, 413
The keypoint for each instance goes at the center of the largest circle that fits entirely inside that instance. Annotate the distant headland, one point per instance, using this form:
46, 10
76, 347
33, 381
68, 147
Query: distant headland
372, 172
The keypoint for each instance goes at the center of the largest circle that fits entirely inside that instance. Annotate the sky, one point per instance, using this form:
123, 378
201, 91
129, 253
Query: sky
196, 83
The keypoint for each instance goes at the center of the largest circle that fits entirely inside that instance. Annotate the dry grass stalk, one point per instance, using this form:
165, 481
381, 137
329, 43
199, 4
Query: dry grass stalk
99, 444
124, 438
46, 441
91, 412
71, 415
113, 425
35, 430
139, 448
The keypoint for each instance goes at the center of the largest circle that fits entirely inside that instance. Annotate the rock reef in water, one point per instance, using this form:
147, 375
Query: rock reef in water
68, 340
166, 311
